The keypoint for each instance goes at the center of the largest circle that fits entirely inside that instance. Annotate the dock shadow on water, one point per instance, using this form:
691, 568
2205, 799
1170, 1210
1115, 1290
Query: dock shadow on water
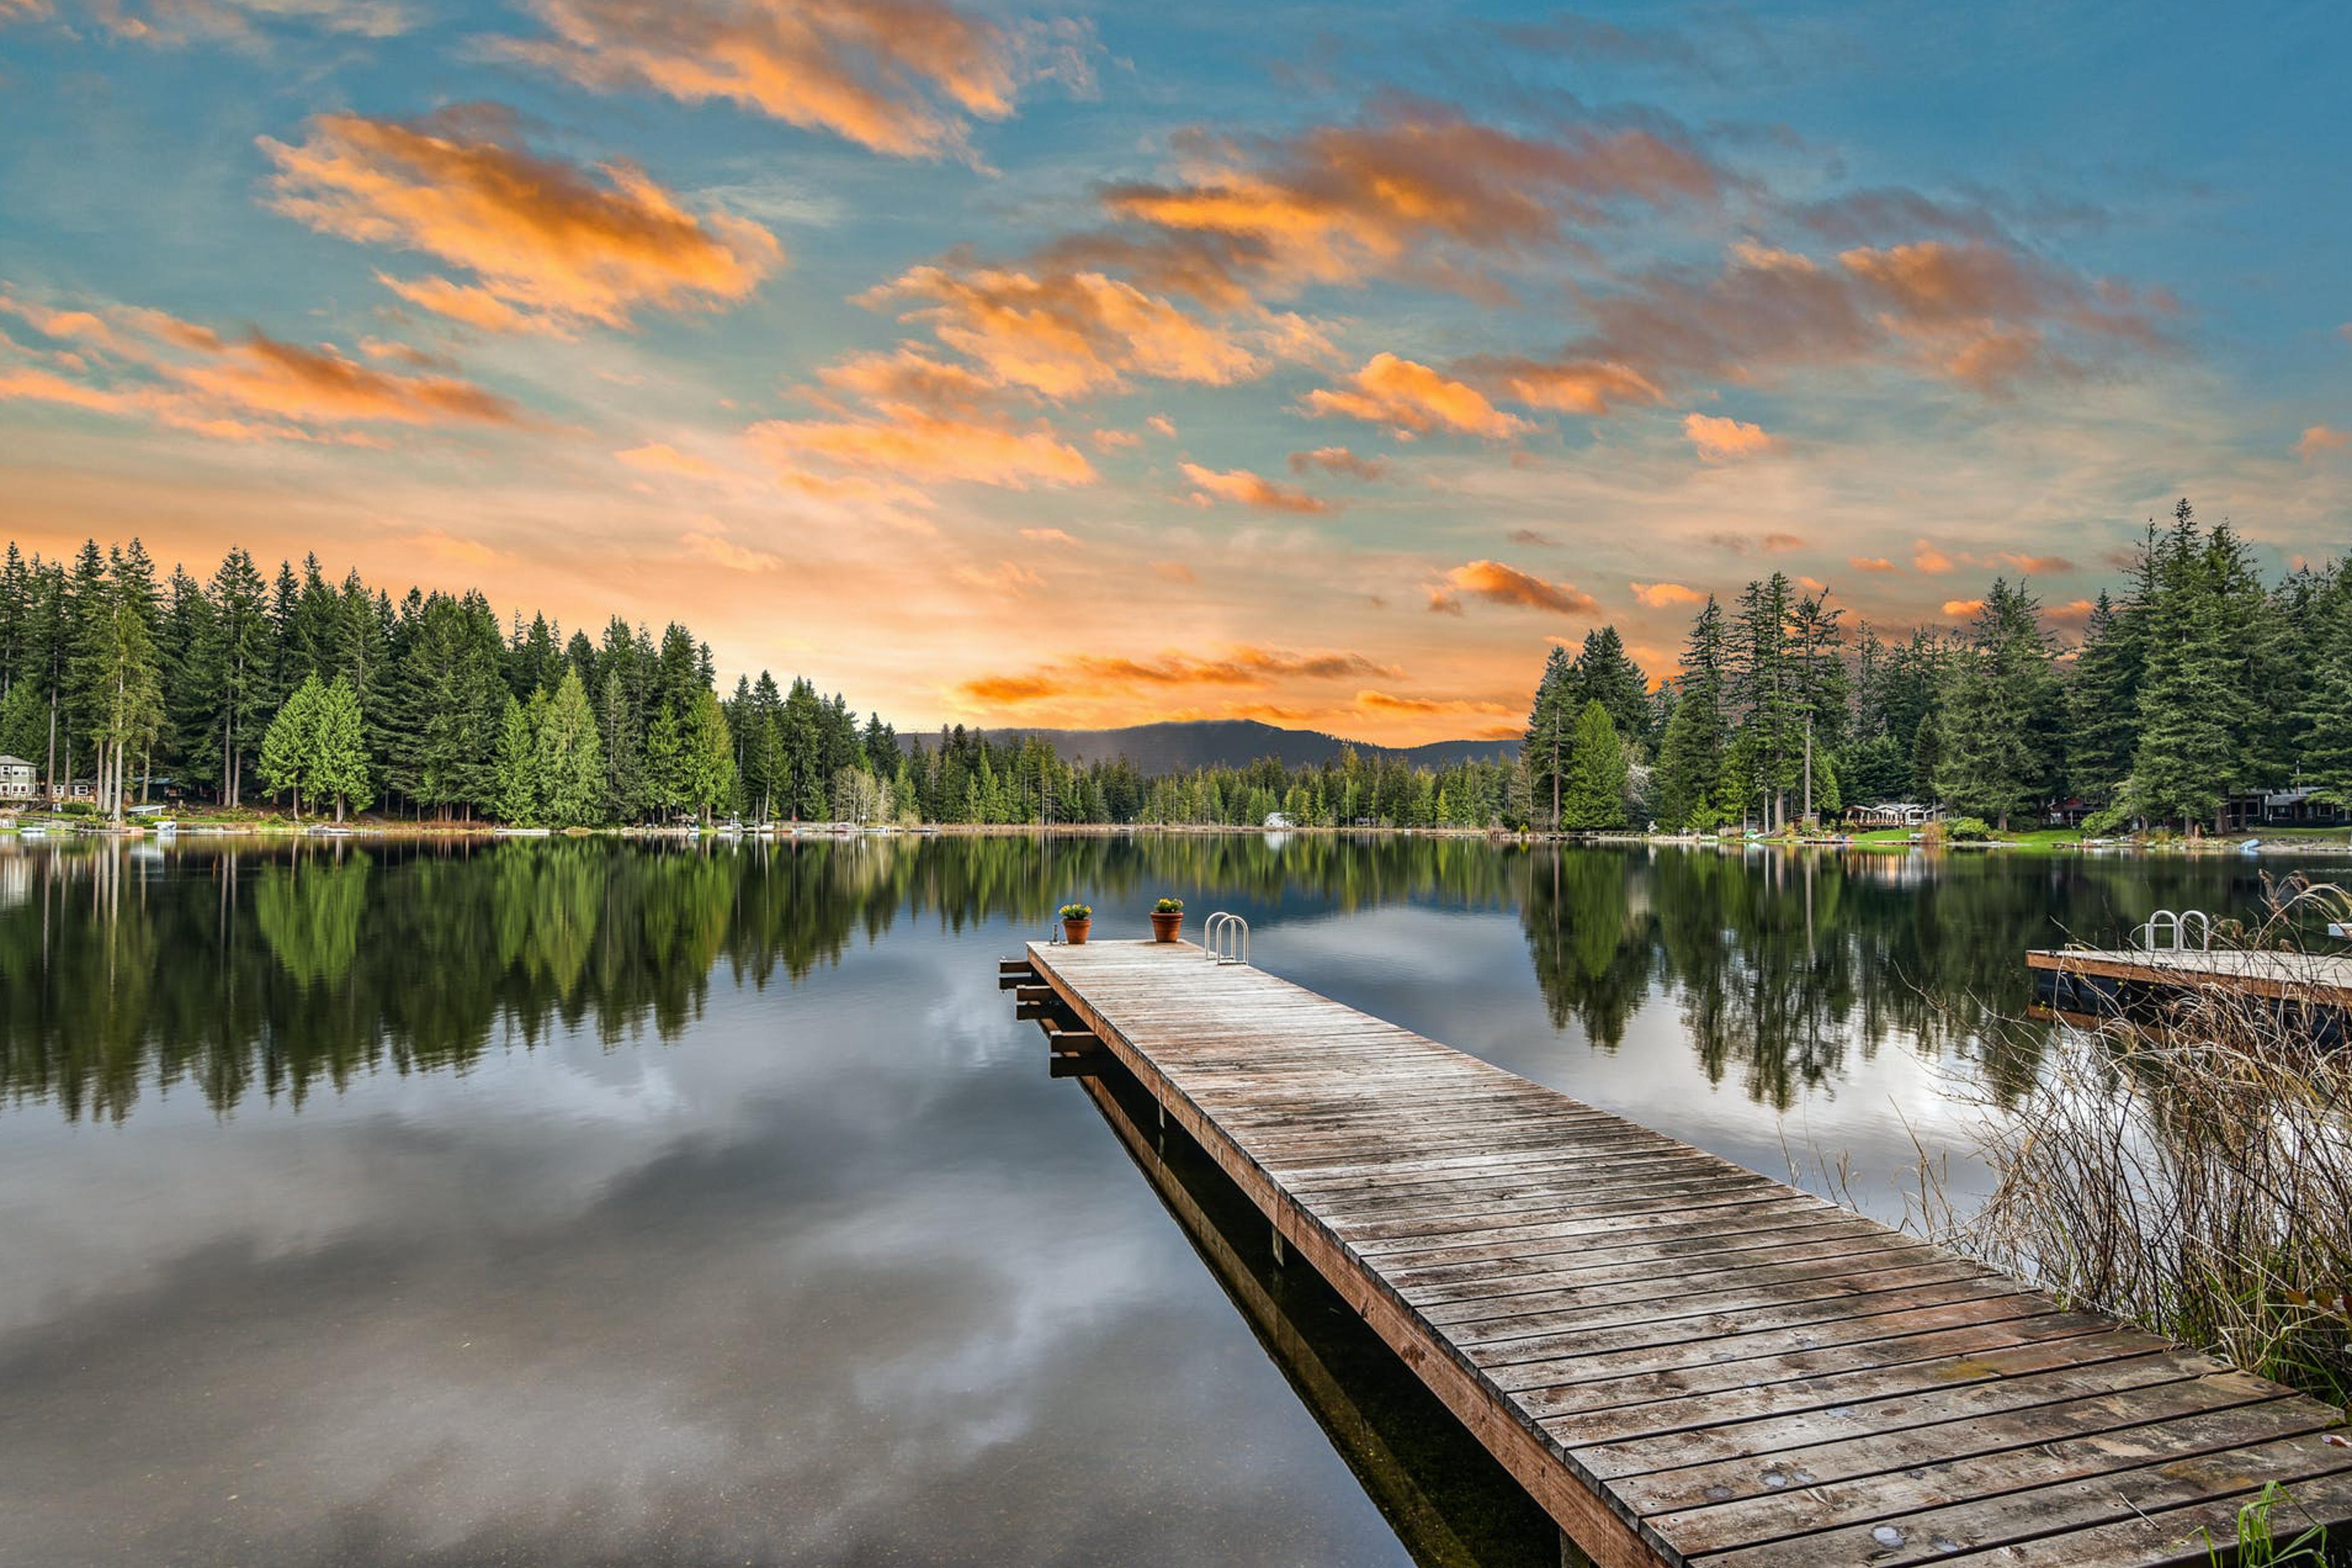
1451, 1504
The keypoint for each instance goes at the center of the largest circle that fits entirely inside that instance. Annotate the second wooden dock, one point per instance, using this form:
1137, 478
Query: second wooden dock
1683, 1360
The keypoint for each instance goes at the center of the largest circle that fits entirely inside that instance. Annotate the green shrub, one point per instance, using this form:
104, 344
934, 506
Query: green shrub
1967, 830
2102, 822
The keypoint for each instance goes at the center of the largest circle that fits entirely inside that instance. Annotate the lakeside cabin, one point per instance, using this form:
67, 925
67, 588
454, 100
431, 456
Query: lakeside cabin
17, 779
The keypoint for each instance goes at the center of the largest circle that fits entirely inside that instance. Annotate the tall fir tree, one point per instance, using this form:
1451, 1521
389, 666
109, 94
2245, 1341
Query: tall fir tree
1691, 754
1594, 796
1549, 739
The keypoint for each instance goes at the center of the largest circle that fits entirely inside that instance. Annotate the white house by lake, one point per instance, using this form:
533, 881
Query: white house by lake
16, 778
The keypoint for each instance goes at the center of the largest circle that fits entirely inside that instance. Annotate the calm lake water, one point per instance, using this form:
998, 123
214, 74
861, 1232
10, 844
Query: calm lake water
557, 1201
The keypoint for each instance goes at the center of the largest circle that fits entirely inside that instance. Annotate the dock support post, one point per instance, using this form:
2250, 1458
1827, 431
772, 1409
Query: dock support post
1279, 1261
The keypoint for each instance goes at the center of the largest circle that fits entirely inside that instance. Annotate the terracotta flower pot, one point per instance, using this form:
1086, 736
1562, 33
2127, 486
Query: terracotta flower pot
1074, 931
1166, 927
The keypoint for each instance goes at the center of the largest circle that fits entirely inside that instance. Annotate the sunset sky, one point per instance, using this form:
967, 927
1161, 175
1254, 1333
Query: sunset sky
1095, 363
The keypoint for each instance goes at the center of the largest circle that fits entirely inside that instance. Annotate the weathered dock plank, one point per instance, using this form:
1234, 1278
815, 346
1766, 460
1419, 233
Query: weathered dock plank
1683, 1360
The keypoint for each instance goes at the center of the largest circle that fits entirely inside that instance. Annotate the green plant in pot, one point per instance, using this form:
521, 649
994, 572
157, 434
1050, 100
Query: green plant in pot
1167, 920
1078, 920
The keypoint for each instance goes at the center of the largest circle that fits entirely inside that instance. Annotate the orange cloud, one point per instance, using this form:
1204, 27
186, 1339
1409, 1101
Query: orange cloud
1389, 703
1660, 595
910, 376
1500, 584
2319, 440
312, 385
1962, 609
721, 551
2036, 565
1338, 460
549, 247
1113, 440
1927, 558
1975, 312
1162, 424
1777, 543
1050, 537
1098, 674
1008, 579
1577, 386
137, 363
899, 76
1870, 563
2074, 615
913, 443
1395, 196
1244, 488
660, 457
1724, 440
1411, 398
1067, 334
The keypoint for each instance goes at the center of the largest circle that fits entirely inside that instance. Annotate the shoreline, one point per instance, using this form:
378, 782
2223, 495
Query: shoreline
46, 828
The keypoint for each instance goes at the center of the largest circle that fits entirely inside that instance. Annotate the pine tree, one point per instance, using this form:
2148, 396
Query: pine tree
337, 763
2103, 702
2207, 641
515, 774
2001, 730
288, 744
665, 782
1605, 674
707, 754
1691, 754
1594, 793
571, 757
1551, 738
1764, 693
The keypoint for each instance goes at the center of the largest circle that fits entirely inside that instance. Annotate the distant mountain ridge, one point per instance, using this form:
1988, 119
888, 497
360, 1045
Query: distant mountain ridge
1180, 746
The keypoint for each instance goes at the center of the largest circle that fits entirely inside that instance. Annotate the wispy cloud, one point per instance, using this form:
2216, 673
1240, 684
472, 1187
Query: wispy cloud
1411, 398
1417, 189
549, 247
1065, 334
1717, 440
1240, 487
1090, 675
1498, 584
143, 363
906, 78
1339, 460
1665, 595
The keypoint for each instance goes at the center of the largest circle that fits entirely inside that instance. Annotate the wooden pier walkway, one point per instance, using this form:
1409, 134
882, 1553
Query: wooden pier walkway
1682, 1360
2316, 979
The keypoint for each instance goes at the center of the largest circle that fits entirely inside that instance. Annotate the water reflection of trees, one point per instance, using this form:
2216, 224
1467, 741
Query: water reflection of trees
243, 969
1780, 963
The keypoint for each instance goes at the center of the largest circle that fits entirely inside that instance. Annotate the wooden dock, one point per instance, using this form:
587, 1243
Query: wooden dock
1682, 1360
2314, 980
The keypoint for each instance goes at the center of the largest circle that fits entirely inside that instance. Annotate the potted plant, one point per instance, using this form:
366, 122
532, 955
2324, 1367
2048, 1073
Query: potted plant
1167, 919
1078, 919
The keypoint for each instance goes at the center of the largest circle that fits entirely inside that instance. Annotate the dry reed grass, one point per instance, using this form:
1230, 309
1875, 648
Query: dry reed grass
2193, 1172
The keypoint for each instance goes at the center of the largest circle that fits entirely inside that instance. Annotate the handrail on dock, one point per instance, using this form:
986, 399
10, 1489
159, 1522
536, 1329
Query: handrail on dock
1224, 938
